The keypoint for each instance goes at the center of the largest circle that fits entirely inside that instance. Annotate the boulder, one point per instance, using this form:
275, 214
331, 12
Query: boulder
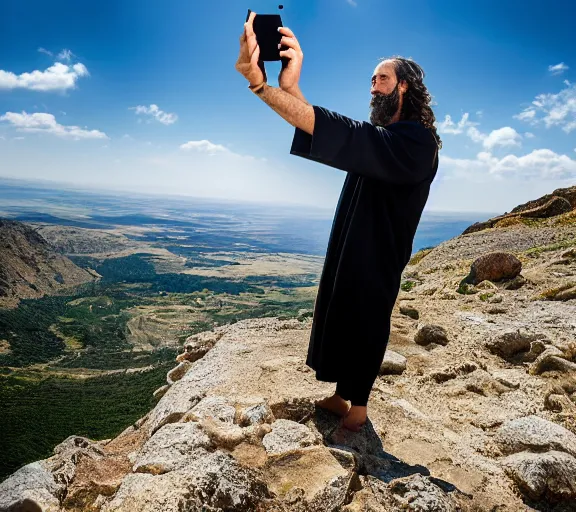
171, 447
288, 435
214, 481
550, 476
536, 434
510, 344
494, 266
31, 486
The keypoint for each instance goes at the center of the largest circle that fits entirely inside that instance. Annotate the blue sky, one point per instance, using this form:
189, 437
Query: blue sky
143, 95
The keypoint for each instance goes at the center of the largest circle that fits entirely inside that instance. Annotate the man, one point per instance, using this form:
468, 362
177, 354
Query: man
390, 164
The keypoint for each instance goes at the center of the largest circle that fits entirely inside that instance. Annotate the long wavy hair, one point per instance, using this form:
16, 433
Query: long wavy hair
417, 99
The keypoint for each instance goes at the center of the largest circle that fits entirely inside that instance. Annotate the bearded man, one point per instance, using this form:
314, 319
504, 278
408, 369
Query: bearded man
390, 164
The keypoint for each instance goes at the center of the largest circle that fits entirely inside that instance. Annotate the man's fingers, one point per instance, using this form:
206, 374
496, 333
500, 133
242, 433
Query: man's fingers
255, 55
252, 44
249, 25
291, 42
290, 53
286, 32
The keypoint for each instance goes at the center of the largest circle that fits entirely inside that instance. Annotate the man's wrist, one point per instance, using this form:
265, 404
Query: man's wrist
258, 88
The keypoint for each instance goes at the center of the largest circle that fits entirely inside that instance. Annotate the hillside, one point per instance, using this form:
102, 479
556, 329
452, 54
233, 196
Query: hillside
31, 268
475, 408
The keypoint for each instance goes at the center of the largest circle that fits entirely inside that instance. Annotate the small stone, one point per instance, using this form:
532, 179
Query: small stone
516, 283
430, 333
410, 311
393, 363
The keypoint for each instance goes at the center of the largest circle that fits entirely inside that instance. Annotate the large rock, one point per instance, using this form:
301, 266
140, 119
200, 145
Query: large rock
509, 344
494, 266
415, 493
288, 435
552, 359
550, 475
216, 406
212, 482
33, 486
315, 471
536, 434
171, 447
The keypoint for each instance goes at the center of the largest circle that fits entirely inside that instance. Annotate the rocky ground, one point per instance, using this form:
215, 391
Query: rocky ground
475, 409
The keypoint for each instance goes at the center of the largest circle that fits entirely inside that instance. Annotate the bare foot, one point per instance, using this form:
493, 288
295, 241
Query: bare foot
334, 403
355, 418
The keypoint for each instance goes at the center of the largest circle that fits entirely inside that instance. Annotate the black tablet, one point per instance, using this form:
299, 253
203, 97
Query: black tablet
267, 35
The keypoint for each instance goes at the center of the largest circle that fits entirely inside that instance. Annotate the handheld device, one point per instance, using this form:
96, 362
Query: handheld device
268, 37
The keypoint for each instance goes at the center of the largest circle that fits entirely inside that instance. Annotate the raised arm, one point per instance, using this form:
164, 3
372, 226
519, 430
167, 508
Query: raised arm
403, 154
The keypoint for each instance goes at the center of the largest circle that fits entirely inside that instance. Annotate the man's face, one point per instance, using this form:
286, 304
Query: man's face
386, 94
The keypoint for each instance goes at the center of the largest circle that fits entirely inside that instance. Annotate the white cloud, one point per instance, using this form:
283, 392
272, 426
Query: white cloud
211, 149
448, 126
65, 55
540, 164
553, 110
529, 135
58, 77
154, 111
505, 136
352, 3
475, 134
204, 146
558, 69
43, 50
46, 123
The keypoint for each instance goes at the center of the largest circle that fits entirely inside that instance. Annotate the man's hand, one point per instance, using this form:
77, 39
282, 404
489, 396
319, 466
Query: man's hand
289, 76
248, 63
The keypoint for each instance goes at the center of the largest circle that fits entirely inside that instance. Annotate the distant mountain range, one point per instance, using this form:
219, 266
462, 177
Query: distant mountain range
31, 268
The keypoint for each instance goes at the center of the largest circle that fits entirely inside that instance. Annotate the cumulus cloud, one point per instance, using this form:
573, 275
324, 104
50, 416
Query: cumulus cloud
540, 164
553, 109
156, 113
58, 77
529, 135
46, 123
505, 136
558, 69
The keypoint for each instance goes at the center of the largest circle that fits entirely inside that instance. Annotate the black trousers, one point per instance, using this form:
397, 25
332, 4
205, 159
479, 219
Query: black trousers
357, 391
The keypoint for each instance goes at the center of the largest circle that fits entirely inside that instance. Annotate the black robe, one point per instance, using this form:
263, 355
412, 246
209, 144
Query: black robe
388, 176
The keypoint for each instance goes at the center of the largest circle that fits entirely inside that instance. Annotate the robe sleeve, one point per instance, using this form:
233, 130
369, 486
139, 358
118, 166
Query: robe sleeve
401, 157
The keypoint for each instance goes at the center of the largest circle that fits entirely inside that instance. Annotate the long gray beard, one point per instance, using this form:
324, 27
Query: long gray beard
383, 107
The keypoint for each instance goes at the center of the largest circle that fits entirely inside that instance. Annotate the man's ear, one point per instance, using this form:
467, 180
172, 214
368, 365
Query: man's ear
403, 86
